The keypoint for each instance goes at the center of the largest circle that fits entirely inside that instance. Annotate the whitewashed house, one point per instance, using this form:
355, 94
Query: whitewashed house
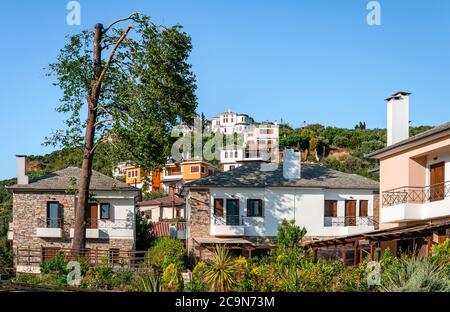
243, 207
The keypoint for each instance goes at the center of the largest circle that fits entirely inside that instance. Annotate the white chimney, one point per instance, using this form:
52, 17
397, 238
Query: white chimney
292, 166
397, 117
22, 178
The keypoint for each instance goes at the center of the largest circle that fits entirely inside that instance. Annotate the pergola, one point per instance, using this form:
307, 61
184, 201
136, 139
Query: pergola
423, 232
231, 244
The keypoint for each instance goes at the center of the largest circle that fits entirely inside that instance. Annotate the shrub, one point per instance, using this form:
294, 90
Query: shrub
32, 279
166, 247
172, 279
289, 235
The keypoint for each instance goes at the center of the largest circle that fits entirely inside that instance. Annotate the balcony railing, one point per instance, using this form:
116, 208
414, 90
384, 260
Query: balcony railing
412, 194
90, 223
349, 221
228, 220
50, 223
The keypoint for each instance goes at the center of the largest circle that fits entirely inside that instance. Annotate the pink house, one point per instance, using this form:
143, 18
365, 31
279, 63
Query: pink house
414, 171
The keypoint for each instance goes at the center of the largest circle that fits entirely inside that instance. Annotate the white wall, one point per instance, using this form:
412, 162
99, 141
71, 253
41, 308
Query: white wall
122, 223
306, 206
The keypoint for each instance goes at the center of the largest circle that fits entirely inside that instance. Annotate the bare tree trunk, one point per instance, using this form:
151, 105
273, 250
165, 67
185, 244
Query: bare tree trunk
79, 238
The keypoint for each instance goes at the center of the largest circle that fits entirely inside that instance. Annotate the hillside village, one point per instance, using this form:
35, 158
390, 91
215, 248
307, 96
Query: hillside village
138, 197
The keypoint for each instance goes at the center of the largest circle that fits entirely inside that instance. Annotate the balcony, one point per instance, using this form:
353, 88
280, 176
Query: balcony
410, 203
341, 226
102, 229
49, 228
349, 221
228, 226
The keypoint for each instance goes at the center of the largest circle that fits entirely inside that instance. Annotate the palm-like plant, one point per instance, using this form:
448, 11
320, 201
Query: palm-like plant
220, 271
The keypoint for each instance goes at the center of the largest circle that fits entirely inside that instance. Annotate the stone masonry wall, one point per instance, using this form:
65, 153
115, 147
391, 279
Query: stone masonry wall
30, 212
376, 208
199, 216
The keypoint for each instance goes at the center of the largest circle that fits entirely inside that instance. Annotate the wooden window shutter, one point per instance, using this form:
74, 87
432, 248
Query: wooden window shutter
363, 208
218, 207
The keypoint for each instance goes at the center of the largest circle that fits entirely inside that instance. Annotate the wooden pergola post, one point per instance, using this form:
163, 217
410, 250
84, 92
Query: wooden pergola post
355, 253
429, 245
372, 251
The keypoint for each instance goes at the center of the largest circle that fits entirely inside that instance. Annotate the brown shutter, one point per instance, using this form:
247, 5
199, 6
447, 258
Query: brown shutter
218, 207
330, 208
363, 208
261, 207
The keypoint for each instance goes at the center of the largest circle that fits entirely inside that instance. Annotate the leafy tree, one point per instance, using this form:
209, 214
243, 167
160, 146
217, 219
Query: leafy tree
166, 247
289, 234
132, 98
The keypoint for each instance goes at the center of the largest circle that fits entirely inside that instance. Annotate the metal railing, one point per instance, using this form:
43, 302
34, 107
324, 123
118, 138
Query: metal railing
28, 256
349, 221
228, 220
413, 194
91, 223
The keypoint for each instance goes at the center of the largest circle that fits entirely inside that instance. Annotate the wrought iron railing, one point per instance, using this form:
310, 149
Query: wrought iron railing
90, 223
413, 194
349, 221
228, 220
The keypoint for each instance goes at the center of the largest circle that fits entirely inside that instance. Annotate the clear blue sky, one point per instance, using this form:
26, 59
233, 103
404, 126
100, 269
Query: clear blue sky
315, 61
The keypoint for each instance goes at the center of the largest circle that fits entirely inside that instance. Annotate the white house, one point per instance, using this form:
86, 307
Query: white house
244, 206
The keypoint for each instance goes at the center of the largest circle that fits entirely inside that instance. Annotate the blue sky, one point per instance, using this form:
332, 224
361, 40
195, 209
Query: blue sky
316, 61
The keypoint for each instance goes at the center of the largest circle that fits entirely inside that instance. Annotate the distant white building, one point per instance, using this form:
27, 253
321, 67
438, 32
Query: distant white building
231, 122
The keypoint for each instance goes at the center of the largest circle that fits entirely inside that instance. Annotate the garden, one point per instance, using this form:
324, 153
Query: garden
287, 268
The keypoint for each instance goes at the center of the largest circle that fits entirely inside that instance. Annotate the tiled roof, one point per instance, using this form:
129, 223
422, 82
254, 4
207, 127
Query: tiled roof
64, 179
163, 202
312, 175
441, 128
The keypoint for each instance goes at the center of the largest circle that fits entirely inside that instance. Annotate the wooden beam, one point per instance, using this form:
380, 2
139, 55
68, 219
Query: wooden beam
355, 253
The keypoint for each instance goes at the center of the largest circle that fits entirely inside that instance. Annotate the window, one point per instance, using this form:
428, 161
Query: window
218, 207
363, 208
235, 154
232, 167
114, 254
226, 154
254, 208
195, 169
53, 215
331, 208
105, 211
203, 169
210, 171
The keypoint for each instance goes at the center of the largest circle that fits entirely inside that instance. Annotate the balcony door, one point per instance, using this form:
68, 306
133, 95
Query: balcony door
232, 212
437, 180
92, 216
350, 213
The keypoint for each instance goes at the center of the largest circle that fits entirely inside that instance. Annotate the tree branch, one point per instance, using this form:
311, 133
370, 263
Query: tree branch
110, 59
121, 20
103, 121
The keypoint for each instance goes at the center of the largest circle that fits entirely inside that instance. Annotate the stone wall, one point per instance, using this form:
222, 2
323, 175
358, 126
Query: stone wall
199, 216
30, 212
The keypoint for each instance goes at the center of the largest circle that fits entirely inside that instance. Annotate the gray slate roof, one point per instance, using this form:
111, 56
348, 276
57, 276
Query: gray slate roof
312, 175
62, 180
438, 129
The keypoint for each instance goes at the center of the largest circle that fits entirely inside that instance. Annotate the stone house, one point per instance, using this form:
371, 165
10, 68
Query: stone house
44, 211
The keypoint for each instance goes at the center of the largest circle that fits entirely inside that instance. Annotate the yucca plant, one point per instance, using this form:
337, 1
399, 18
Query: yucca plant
220, 271
151, 282
415, 275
